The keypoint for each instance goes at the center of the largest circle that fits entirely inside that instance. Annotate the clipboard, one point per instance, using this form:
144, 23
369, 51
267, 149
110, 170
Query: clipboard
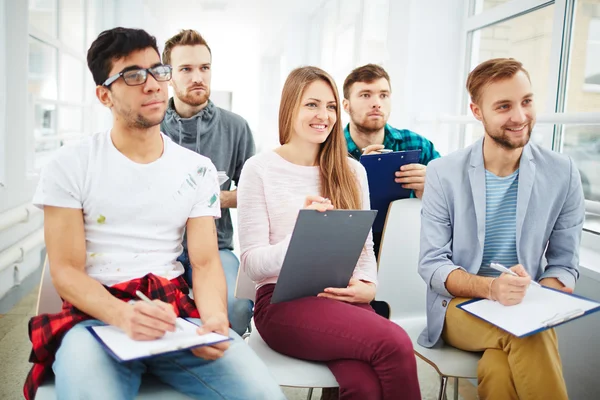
383, 189
542, 308
323, 252
122, 348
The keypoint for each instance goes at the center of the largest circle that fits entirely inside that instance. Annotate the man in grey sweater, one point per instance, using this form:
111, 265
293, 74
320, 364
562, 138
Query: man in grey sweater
193, 121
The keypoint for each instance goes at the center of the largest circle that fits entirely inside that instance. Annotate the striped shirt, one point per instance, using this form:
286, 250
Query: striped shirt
500, 222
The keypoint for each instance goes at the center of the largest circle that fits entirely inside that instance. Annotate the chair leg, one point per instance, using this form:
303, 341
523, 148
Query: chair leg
310, 391
443, 386
455, 388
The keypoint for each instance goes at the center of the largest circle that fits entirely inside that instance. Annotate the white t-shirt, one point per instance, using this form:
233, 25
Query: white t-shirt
134, 214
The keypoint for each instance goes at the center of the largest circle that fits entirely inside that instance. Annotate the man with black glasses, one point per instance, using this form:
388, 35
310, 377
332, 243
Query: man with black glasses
115, 206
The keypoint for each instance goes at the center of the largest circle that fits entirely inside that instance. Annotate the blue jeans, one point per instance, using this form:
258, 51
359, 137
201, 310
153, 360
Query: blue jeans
239, 310
84, 370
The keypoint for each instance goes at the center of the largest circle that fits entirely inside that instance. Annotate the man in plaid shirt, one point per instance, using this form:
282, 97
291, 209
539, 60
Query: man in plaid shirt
116, 205
367, 100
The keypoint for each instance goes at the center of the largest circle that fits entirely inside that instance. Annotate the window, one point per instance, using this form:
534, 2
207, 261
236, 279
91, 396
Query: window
591, 82
72, 32
526, 38
484, 5
582, 142
58, 79
43, 16
42, 70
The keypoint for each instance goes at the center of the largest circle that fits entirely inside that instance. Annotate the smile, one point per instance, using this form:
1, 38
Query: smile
319, 127
517, 129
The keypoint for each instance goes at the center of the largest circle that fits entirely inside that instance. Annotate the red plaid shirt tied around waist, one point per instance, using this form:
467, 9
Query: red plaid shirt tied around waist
47, 330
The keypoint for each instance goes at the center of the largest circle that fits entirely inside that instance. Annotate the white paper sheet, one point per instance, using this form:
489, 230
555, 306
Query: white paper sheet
127, 349
541, 308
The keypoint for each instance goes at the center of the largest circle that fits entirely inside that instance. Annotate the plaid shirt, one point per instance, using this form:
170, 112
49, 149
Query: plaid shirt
47, 330
398, 140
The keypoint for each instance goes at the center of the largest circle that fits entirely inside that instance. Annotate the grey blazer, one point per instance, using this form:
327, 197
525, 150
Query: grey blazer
550, 214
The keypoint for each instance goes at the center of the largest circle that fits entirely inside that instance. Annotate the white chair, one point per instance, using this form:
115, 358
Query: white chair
287, 371
50, 302
403, 289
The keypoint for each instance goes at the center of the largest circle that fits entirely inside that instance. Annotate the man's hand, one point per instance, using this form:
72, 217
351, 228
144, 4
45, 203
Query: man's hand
357, 292
509, 290
143, 321
555, 284
228, 198
372, 149
317, 203
216, 323
412, 176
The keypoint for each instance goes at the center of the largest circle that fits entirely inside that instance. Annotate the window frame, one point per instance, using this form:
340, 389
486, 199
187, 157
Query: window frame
84, 106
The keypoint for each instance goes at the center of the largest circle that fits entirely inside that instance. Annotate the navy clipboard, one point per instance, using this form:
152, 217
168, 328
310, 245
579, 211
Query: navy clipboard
383, 189
323, 252
122, 348
542, 308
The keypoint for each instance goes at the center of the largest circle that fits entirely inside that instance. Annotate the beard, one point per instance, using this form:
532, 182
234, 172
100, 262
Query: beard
136, 120
190, 97
366, 125
504, 140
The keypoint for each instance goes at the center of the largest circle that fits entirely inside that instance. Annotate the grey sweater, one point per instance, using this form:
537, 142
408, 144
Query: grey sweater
220, 135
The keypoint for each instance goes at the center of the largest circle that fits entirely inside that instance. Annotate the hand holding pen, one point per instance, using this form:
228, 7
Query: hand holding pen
318, 203
147, 320
509, 288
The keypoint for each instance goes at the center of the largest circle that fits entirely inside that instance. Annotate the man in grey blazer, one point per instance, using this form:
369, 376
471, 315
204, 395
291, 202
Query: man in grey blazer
507, 200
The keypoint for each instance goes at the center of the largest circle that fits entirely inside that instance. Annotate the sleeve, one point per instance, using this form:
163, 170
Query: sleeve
246, 150
562, 252
435, 260
366, 268
259, 258
61, 181
208, 201
429, 152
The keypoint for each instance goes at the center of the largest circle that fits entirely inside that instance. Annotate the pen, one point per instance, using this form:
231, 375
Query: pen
382, 151
147, 300
502, 268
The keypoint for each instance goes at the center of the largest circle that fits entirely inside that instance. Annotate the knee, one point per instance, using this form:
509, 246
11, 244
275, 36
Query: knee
397, 342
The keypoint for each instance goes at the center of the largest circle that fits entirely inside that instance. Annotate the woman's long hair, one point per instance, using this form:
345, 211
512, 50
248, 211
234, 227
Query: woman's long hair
338, 181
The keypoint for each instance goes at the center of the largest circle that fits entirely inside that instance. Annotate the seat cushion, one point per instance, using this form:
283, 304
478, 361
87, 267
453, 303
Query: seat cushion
289, 371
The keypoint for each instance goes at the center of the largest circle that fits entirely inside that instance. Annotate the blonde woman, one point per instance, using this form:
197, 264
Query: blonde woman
371, 357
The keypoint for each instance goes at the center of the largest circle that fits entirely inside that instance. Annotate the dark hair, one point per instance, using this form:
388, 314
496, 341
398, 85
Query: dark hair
185, 37
367, 73
114, 44
491, 71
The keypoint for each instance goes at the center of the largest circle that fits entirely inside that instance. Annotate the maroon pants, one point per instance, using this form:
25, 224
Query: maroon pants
371, 357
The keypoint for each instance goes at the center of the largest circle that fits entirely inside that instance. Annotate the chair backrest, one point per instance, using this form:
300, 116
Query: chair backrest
48, 299
400, 284
244, 287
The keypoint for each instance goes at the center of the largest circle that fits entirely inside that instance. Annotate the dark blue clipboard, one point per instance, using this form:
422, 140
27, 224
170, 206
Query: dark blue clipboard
116, 357
381, 174
548, 326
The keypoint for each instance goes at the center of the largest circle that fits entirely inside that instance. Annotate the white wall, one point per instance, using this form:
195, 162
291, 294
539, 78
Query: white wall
16, 133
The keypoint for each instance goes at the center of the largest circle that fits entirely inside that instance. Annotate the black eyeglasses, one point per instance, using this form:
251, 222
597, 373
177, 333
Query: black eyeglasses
135, 77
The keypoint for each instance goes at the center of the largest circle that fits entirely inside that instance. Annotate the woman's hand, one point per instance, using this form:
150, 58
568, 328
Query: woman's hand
317, 203
357, 292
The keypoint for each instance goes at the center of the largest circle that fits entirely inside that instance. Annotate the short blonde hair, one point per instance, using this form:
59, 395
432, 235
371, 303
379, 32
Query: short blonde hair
491, 71
186, 37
